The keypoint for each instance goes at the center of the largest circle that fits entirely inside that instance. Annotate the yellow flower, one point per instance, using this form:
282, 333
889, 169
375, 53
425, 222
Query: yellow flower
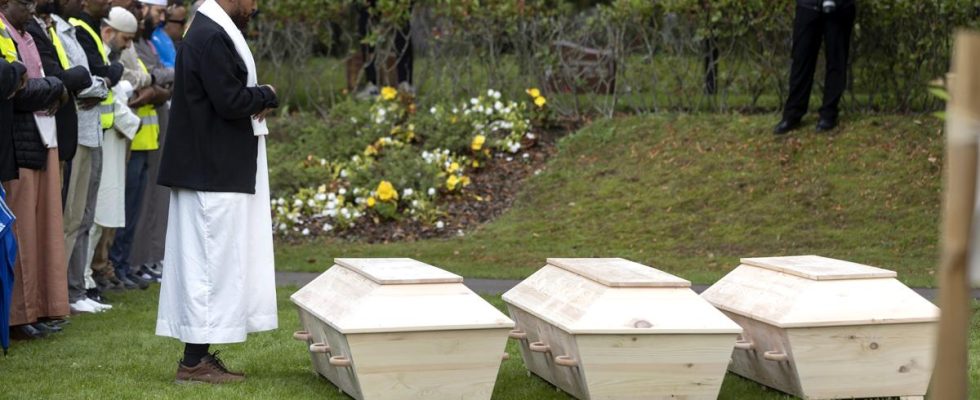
452, 182
371, 151
465, 181
476, 163
322, 189
389, 93
371, 202
534, 92
478, 142
453, 167
386, 191
540, 101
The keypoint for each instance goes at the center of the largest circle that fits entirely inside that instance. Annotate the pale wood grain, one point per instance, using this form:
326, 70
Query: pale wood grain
787, 301
352, 303
819, 268
446, 365
618, 272
580, 305
398, 271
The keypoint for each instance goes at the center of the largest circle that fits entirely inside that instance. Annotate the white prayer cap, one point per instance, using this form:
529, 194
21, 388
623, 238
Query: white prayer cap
121, 20
155, 2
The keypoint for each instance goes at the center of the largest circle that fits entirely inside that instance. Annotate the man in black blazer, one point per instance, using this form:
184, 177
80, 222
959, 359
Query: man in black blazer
818, 21
218, 273
12, 78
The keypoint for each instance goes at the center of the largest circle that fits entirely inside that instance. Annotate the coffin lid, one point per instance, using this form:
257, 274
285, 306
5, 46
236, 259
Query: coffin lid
617, 272
573, 296
398, 271
395, 295
819, 268
811, 291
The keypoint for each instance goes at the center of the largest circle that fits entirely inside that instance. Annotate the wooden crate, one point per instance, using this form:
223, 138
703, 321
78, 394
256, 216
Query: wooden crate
401, 329
614, 329
820, 328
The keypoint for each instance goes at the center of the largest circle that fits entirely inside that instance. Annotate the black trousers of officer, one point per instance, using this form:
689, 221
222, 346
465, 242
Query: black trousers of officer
810, 28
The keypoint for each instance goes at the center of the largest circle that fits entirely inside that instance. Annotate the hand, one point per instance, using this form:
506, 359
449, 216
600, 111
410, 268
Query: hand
262, 115
89, 103
56, 105
142, 97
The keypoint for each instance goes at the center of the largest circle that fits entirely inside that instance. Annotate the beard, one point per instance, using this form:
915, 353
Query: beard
242, 19
148, 28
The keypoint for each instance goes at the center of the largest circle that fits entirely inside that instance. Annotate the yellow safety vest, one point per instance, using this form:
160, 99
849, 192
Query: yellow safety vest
107, 108
7, 46
148, 137
59, 48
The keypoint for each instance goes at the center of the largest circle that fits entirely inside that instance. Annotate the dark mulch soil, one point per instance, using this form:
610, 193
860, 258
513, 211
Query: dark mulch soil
493, 190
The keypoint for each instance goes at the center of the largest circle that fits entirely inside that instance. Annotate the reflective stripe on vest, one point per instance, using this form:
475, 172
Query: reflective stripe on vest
107, 107
59, 48
148, 136
7, 46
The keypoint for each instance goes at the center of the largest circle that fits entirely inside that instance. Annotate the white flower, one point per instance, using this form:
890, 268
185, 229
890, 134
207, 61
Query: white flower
474, 101
310, 203
415, 203
298, 203
496, 95
283, 227
306, 232
489, 111
408, 192
460, 233
440, 225
530, 136
432, 110
281, 201
455, 110
509, 159
526, 156
490, 93
432, 192
498, 106
343, 174
323, 162
320, 197
332, 213
514, 147
327, 227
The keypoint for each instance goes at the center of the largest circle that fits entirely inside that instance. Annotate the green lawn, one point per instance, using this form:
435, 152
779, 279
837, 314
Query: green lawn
693, 194
116, 355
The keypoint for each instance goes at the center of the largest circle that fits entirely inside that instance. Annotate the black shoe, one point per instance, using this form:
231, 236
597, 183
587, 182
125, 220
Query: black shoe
96, 294
26, 332
57, 322
127, 283
48, 329
826, 124
143, 284
785, 126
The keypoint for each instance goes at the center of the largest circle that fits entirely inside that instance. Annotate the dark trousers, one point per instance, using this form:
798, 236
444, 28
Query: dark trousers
122, 244
810, 28
403, 48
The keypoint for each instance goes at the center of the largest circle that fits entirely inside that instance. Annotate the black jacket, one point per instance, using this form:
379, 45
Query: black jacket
9, 82
818, 4
74, 79
210, 145
113, 71
29, 149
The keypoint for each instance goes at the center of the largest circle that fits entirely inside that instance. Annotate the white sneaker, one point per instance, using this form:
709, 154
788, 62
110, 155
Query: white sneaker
82, 307
99, 307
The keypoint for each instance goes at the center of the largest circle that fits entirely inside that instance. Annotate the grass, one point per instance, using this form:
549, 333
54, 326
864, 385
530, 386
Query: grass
116, 354
691, 195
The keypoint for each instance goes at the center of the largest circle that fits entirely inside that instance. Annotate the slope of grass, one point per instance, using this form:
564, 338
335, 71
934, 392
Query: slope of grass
693, 194
116, 355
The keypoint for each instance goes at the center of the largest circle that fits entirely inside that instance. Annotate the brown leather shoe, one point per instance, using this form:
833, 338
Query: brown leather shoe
209, 370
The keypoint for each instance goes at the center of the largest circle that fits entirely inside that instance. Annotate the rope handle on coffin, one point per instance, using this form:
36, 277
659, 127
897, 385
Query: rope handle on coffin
540, 347
566, 361
340, 361
743, 344
518, 334
322, 348
773, 355
301, 336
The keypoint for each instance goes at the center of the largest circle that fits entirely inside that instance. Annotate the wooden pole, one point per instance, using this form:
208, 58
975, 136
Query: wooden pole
950, 380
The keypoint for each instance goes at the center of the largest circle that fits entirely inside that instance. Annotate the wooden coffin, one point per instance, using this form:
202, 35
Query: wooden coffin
820, 328
401, 329
614, 329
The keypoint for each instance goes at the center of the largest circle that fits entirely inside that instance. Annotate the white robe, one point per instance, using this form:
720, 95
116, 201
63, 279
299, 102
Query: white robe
218, 266
218, 269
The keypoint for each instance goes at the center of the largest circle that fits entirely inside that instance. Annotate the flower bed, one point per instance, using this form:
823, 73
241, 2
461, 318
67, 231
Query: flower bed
421, 172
